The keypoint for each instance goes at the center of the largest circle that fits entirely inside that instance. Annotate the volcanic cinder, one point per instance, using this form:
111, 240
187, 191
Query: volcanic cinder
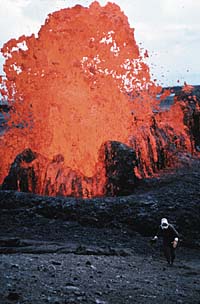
81, 83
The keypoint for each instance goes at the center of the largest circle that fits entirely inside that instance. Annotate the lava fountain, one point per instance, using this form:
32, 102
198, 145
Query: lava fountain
82, 82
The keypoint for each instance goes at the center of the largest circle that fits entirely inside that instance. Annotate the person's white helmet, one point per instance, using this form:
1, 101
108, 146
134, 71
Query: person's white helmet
164, 223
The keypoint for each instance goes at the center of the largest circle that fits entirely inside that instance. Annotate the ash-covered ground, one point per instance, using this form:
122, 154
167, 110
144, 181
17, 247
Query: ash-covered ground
80, 254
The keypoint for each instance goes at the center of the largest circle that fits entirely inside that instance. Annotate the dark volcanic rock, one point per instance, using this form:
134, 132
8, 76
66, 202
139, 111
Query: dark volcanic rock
175, 196
13, 296
11, 242
31, 172
70, 250
191, 107
119, 162
26, 173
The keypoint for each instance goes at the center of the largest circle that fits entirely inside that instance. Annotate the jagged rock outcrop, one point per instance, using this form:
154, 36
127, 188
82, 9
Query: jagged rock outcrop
31, 172
26, 173
170, 134
120, 161
190, 101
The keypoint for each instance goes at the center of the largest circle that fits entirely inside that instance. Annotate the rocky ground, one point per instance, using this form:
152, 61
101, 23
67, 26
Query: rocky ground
55, 250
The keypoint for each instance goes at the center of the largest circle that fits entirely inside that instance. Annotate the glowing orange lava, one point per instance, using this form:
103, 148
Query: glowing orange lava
80, 83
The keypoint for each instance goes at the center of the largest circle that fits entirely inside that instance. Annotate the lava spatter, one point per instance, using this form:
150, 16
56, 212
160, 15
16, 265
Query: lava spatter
80, 83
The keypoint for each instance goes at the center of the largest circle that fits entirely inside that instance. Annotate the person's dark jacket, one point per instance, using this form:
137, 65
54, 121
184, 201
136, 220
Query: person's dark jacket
168, 234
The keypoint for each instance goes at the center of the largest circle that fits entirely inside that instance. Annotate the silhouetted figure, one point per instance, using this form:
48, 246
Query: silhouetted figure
170, 239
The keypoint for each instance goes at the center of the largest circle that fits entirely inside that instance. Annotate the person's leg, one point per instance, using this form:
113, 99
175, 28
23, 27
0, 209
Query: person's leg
167, 253
172, 253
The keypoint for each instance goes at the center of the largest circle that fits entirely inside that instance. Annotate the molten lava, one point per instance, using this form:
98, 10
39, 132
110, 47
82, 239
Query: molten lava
80, 83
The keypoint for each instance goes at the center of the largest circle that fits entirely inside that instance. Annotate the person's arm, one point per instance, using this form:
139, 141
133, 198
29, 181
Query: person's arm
175, 242
154, 239
175, 235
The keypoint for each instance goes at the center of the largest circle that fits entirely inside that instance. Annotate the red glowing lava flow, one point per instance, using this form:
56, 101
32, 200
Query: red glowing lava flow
81, 82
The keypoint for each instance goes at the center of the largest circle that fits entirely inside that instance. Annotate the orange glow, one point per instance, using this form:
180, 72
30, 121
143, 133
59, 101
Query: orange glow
187, 88
80, 83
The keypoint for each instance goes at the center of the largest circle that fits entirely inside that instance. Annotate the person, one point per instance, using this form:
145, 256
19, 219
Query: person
170, 239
